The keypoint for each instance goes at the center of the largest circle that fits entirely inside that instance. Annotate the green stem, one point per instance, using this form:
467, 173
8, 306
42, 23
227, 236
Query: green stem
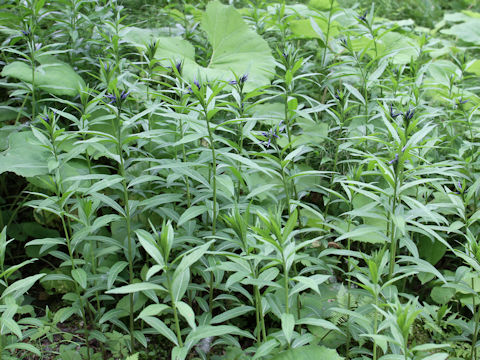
285, 285
184, 157
327, 35
259, 314
175, 315
393, 242
214, 178
127, 220
375, 328
473, 352
214, 186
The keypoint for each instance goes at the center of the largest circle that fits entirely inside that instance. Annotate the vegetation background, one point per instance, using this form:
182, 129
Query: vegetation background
249, 179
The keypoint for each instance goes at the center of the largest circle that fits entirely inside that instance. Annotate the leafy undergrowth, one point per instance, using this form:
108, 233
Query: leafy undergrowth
252, 180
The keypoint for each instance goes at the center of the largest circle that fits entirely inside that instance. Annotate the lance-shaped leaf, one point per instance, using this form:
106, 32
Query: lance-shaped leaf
307, 353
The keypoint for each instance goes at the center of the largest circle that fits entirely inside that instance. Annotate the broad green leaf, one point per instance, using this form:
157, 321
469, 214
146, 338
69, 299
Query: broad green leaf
315, 28
25, 155
442, 295
236, 49
474, 67
468, 31
431, 250
308, 353
174, 48
52, 76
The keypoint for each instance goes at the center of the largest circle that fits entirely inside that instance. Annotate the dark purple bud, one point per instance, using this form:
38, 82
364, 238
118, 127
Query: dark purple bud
363, 18
46, 118
111, 97
394, 161
179, 67
273, 133
409, 114
124, 95
460, 101
197, 84
393, 114
233, 82
243, 79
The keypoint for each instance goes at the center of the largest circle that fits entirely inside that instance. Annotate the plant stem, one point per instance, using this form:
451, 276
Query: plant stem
121, 169
175, 315
285, 285
214, 166
473, 353
214, 185
393, 242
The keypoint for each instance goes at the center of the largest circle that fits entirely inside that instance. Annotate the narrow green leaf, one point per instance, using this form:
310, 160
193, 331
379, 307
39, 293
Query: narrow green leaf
288, 324
80, 276
187, 313
133, 288
161, 328
231, 314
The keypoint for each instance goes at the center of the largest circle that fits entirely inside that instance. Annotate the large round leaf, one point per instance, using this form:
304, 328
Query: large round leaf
236, 49
25, 155
52, 75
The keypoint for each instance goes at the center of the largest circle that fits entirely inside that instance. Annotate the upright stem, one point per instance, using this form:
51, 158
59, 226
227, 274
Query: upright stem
214, 178
177, 322
127, 219
184, 158
285, 285
327, 35
214, 215
393, 242
289, 135
375, 328
473, 352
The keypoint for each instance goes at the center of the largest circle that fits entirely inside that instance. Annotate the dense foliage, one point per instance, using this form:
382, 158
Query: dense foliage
239, 179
